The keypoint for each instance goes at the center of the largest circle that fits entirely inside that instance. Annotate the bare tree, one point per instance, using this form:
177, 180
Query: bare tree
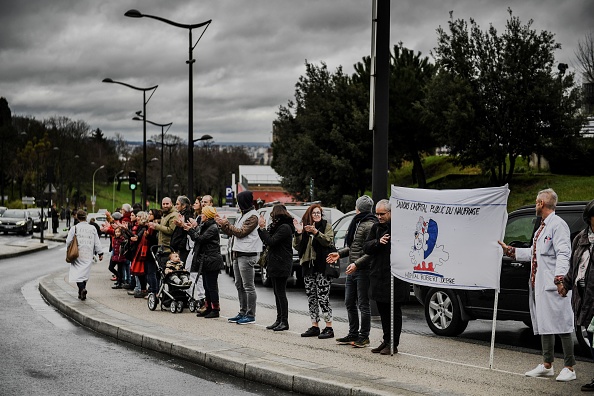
585, 57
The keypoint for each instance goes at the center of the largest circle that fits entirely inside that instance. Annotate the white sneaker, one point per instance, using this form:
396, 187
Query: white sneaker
541, 371
566, 375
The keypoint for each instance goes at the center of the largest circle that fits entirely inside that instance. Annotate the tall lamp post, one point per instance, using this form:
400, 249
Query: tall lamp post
93, 198
144, 102
163, 132
190, 62
202, 138
114, 180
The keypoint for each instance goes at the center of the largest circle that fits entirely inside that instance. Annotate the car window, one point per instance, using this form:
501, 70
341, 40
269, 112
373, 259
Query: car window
575, 222
341, 228
14, 213
519, 229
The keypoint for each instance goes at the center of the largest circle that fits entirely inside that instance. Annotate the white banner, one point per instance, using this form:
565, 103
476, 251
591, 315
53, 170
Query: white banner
448, 238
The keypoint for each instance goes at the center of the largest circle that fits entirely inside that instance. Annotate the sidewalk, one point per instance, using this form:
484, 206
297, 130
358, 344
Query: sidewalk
424, 365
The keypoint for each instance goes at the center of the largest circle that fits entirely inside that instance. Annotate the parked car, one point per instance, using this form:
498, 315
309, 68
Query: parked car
36, 215
16, 220
341, 227
447, 311
225, 241
100, 219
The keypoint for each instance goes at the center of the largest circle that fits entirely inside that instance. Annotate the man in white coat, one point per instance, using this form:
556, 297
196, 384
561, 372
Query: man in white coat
551, 313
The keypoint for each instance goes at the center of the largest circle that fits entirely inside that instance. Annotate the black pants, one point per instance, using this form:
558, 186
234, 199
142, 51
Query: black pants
211, 286
279, 284
112, 269
384, 311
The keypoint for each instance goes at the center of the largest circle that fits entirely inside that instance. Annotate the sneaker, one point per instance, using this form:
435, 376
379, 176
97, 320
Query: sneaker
588, 387
362, 342
313, 331
386, 350
116, 286
328, 332
235, 318
348, 340
541, 371
114, 278
379, 348
565, 375
246, 320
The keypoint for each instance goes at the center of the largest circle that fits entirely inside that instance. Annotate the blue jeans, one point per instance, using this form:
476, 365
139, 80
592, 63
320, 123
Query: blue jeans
356, 295
243, 269
150, 270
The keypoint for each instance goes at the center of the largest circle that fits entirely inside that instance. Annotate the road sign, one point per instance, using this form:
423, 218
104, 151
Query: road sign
93, 199
28, 200
50, 188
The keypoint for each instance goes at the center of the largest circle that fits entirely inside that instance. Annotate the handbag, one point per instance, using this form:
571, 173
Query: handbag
263, 259
72, 251
332, 269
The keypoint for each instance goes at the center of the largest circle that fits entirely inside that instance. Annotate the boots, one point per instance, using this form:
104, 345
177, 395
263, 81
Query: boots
276, 323
284, 325
214, 312
204, 310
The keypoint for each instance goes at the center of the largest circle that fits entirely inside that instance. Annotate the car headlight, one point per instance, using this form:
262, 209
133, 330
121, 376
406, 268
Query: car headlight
21, 223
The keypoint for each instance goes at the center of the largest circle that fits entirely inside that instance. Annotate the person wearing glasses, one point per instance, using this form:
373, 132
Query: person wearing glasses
356, 295
312, 238
378, 247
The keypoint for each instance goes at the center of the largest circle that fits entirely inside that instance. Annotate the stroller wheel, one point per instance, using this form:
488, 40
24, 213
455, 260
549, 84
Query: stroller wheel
173, 306
192, 305
179, 306
152, 301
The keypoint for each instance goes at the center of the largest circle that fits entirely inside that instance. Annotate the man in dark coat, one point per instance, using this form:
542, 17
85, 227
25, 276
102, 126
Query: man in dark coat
378, 247
55, 219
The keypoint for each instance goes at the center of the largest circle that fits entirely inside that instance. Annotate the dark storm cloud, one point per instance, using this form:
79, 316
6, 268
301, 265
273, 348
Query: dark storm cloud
54, 54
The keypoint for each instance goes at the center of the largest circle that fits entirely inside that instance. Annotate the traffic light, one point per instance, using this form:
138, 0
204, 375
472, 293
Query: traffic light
132, 180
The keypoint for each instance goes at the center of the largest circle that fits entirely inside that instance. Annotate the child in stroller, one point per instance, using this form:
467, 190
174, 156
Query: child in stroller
175, 264
173, 291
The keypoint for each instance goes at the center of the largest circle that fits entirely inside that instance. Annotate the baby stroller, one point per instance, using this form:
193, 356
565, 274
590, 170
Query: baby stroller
171, 296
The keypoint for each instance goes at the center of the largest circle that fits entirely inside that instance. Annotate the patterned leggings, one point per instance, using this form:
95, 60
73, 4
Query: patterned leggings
317, 289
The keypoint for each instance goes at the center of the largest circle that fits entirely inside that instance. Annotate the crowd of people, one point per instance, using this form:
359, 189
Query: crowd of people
189, 232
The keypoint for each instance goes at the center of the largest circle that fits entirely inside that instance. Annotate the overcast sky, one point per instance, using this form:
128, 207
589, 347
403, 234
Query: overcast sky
54, 54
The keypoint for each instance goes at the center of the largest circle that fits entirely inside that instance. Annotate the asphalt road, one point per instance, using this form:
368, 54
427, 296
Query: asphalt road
43, 353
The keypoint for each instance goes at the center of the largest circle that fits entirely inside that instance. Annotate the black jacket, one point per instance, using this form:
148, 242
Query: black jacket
280, 250
207, 247
179, 238
583, 306
379, 267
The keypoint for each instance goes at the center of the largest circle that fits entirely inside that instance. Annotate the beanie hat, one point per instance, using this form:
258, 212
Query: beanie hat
245, 199
209, 211
127, 207
117, 216
364, 204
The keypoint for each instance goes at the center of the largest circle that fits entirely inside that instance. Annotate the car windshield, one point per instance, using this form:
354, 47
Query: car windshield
14, 213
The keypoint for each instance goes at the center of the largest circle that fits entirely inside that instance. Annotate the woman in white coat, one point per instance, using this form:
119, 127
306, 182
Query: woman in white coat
88, 245
551, 312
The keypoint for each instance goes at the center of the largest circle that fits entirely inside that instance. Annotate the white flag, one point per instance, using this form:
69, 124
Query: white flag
448, 238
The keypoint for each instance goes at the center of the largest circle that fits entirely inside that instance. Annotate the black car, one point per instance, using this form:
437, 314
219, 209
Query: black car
447, 311
16, 220
36, 216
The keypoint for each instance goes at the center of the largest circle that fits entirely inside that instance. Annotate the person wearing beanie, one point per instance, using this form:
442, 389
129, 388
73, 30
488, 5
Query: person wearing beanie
246, 246
356, 298
207, 259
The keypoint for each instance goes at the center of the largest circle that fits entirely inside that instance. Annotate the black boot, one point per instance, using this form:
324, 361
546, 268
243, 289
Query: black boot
272, 326
284, 325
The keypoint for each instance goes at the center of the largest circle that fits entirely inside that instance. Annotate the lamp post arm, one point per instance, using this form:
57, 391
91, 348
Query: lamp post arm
177, 24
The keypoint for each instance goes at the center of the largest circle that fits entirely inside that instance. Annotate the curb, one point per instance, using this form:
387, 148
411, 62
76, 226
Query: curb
23, 252
286, 373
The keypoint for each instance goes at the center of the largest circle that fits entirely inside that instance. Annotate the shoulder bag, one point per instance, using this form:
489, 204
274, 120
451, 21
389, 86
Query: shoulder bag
72, 251
263, 259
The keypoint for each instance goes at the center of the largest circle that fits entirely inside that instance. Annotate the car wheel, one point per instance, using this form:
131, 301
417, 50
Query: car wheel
443, 313
152, 301
264, 277
580, 333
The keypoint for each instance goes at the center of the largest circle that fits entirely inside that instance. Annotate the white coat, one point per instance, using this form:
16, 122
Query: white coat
89, 244
550, 313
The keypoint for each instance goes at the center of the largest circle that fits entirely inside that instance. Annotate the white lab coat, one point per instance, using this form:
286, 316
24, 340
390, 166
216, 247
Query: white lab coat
89, 244
550, 313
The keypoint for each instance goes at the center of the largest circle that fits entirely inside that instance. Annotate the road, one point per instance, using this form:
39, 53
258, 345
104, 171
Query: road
44, 353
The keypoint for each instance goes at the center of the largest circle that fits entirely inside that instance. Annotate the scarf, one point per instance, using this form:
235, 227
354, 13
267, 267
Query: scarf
315, 245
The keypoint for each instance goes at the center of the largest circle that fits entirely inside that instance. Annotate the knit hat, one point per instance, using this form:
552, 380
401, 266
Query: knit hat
364, 204
117, 216
245, 199
127, 207
209, 211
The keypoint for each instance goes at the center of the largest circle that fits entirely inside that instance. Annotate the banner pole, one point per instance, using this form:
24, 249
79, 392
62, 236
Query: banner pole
493, 329
391, 314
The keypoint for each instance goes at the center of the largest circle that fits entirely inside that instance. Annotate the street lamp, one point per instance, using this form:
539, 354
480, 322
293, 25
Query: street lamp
144, 102
114, 180
190, 62
169, 177
93, 197
163, 132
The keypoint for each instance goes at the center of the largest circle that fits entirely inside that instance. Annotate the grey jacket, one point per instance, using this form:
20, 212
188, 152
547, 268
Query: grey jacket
355, 252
